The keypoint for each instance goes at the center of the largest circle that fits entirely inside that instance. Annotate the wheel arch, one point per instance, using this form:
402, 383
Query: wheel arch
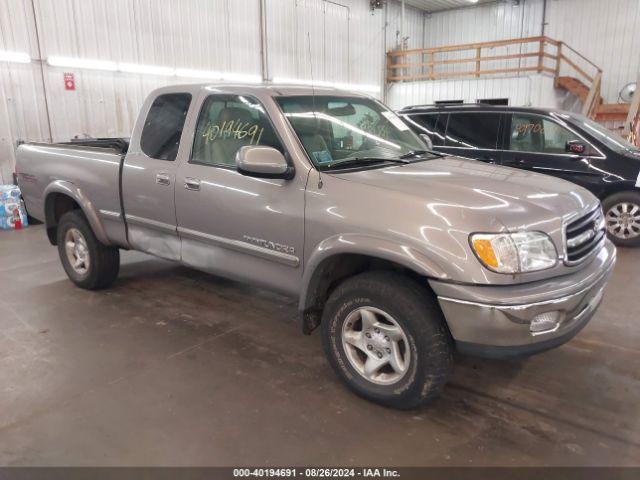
62, 197
343, 256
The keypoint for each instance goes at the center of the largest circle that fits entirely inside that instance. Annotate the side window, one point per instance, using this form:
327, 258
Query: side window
533, 133
431, 124
473, 130
226, 123
162, 130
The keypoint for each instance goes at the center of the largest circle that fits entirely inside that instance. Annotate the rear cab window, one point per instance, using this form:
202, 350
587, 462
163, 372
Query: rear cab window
160, 138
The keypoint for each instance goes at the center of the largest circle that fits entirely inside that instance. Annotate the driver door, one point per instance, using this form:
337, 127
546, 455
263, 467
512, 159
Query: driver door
538, 143
239, 226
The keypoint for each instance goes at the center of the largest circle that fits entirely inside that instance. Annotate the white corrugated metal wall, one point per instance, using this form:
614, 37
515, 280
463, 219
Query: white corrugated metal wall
347, 43
606, 32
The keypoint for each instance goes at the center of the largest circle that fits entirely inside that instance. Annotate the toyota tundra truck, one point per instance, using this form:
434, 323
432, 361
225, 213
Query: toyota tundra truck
400, 255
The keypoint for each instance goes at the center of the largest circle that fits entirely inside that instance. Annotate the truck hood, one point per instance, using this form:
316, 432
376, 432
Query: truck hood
511, 198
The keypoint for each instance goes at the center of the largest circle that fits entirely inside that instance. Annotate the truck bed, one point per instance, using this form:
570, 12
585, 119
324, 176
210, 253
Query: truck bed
93, 172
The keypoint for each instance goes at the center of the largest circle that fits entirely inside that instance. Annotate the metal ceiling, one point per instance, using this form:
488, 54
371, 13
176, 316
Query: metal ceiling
440, 5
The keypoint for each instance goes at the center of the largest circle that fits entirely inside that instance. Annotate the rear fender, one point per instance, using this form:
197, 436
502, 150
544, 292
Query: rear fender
70, 190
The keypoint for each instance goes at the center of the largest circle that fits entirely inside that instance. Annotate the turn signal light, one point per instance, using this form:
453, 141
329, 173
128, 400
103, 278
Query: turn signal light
484, 250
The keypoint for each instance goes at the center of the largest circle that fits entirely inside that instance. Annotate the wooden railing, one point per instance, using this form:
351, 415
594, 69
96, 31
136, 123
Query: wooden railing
503, 57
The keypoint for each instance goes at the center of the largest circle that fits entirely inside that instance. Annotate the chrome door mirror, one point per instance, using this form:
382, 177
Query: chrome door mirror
427, 139
264, 162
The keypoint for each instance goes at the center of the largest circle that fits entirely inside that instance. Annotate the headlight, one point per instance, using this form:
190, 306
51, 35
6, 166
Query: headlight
514, 252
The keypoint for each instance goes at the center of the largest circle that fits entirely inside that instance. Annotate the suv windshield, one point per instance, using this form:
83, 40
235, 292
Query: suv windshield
337, 130
612, 140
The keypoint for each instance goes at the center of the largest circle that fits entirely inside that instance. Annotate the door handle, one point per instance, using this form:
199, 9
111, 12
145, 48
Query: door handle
163, 178
487, 159
192, 184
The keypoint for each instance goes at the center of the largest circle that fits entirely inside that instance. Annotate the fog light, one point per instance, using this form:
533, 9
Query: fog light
545, 322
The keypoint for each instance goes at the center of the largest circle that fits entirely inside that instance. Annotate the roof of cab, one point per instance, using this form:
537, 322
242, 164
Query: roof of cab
274, 90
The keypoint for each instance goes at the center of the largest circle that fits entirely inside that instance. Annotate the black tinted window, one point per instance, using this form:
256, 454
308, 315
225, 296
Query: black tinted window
473, 130
431, 124
162, 130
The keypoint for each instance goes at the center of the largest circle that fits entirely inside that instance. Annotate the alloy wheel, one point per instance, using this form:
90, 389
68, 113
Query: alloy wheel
376, 345
623, 220
75, 246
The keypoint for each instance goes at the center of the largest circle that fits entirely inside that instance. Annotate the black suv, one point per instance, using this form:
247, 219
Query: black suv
563, 144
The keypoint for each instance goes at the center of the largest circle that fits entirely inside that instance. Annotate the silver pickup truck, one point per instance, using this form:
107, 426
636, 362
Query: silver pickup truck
399, 254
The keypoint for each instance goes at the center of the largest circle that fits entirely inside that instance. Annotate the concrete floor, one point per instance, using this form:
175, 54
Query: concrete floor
174, 367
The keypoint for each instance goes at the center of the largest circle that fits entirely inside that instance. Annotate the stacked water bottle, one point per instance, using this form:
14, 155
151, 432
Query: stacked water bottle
12, 211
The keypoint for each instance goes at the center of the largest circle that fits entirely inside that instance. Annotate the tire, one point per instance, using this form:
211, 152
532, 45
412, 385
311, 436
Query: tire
620, 208
392, 299
101, 263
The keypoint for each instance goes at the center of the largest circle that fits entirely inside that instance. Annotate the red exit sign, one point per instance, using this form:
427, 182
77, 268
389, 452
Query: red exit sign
69, 81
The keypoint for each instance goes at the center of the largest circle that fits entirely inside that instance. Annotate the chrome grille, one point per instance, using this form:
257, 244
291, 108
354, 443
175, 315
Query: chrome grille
584, 236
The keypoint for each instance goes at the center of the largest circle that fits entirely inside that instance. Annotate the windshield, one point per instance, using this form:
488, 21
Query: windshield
612, 140
338, 130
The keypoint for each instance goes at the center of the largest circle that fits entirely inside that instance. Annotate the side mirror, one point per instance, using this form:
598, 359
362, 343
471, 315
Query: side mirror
263, 162
427, 139
575, 146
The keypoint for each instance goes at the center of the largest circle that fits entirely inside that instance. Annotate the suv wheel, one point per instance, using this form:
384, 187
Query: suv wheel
88, 263
386, 338
622, 214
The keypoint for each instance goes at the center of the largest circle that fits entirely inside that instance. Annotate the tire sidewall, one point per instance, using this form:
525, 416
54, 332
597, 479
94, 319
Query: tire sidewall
335, 324
75, 220
414, 314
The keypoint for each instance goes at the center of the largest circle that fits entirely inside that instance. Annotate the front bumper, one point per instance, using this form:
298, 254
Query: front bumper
496, 321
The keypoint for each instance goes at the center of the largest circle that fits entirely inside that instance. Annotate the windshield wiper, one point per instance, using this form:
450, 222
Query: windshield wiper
350, 162
419, 153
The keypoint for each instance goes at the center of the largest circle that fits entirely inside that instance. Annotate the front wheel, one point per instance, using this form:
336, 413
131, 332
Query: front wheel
622, 215
88, 263
385, 336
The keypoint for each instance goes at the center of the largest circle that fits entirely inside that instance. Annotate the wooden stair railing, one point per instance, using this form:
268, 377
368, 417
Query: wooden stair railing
534, 54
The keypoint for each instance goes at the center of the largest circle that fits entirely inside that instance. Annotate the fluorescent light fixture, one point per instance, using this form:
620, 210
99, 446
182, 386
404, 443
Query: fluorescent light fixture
146, 69
214, 75
358, 87
241, 77
191, 73
71, 62
16, 57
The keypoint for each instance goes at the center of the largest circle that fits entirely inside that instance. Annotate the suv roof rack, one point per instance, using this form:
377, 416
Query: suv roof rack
453, 104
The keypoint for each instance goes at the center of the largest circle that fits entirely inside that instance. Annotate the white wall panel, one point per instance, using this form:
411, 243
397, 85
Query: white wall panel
606, 32
347, 40
536, 90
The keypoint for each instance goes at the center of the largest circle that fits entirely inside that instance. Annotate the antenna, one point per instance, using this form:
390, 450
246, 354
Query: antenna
313, 97
313, 88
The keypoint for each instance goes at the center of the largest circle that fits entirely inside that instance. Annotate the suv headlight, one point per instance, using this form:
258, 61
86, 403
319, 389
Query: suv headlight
514, 252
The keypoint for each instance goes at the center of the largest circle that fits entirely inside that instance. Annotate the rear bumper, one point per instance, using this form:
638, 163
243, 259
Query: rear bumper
504, 321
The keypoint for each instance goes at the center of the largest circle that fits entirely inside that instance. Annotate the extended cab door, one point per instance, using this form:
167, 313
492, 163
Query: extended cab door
239, 226
148, 176
538, 143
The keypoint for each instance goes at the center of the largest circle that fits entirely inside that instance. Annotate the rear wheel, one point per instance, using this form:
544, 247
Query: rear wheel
385, 336
622, 214
88, 263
